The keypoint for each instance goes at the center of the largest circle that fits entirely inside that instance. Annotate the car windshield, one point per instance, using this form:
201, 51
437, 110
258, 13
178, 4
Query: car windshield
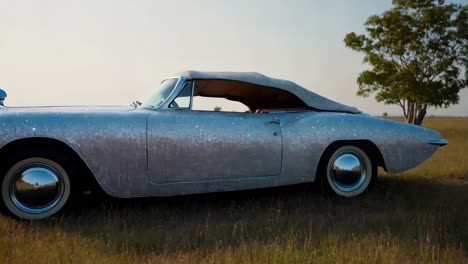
160, 94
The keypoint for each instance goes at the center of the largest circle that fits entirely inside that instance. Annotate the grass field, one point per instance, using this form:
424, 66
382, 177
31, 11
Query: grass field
419, 216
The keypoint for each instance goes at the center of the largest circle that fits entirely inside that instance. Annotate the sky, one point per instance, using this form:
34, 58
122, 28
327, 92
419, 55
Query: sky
112, 52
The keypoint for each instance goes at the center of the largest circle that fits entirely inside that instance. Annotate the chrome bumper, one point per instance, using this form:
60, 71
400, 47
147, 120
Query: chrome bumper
438, 142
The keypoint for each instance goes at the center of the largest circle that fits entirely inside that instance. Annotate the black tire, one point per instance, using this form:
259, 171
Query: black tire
36, 182
347, 182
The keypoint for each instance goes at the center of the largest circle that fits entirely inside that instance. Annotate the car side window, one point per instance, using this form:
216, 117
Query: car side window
183, 100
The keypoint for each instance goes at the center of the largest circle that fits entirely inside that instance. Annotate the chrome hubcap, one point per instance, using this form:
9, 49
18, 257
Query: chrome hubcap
348, 171
36, 188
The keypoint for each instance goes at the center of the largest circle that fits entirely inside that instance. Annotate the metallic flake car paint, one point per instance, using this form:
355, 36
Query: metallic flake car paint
135, 152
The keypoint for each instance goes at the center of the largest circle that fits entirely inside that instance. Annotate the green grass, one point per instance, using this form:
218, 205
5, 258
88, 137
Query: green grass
418, 216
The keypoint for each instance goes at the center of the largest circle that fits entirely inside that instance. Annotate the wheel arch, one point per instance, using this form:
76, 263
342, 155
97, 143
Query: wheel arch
367, 145
55, 144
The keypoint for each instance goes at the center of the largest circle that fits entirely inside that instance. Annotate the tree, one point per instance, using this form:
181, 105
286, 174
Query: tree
418, 53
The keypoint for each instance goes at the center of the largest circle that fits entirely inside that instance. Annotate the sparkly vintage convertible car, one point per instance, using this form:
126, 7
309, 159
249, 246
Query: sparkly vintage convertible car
280, 134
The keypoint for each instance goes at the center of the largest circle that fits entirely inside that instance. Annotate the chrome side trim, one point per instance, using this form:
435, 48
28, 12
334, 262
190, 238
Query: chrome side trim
438, 142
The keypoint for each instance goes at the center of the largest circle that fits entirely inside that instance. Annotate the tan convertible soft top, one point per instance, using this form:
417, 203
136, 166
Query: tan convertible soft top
310, 98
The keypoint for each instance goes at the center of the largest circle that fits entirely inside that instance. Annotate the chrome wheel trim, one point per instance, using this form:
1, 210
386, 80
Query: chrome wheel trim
348, 171
362, 180
36, 188
9, 177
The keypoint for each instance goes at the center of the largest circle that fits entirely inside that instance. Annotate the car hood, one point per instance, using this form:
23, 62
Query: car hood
67, 109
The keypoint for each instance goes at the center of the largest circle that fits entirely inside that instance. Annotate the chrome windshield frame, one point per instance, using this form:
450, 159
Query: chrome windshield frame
165, 105
180, 91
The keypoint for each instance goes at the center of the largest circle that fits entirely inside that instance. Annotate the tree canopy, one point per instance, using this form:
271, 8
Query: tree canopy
418, 53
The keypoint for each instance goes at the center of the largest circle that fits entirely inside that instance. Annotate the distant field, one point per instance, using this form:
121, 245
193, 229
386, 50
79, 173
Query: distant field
419, 216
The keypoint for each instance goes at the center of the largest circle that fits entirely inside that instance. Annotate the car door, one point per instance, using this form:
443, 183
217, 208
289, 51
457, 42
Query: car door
188, 146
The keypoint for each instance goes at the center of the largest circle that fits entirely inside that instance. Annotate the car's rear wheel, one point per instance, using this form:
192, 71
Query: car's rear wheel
347, 171
36, 184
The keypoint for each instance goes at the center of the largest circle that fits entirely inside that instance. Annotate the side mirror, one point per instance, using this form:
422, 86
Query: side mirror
3, 95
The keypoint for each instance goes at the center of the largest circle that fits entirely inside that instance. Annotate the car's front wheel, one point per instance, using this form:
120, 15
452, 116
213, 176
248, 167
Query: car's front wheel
347, 171
36, 185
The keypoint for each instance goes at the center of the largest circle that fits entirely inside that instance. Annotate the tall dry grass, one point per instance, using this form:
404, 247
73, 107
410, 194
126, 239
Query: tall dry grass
418, 216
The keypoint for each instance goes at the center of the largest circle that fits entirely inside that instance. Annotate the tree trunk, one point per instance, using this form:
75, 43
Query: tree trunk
415, 113
411, 113
421, 116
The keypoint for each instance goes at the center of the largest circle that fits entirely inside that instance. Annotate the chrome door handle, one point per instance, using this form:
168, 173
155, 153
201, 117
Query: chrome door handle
274, 121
